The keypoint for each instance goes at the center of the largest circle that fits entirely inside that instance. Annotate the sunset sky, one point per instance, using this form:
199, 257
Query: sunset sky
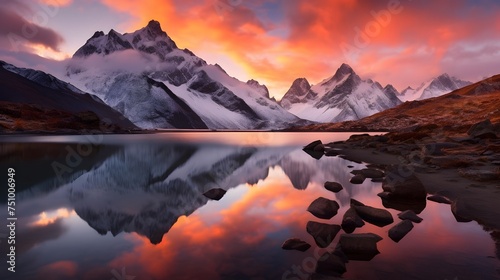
402, 42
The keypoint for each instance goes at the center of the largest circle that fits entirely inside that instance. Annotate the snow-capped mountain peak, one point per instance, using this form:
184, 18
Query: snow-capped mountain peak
262, 89
157, 85
297, 93
344, 96
438, 86
150, 39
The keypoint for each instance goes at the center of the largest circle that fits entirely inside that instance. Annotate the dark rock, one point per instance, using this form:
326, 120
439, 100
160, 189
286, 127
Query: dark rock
401, 204
360, 247
323, 208
323, 234
410, 215
357, 137
320, 148
354, 202
384, 195
333, 186
314, 154
483, 130
351, 221
357, 179
460, 211
439, 199
296, 244
312, 145
215, 194
350, 166
402, 184
378, 180
331, 265
369, 173
397, 232
376, 216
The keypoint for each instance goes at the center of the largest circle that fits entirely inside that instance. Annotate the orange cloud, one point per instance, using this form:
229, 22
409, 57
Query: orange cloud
388, 36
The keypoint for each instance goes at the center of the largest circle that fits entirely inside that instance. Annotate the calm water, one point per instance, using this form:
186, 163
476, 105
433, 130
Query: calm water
119, 207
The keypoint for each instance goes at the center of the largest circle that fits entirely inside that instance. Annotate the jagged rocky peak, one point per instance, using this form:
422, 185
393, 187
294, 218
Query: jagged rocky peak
297, 92
391, 89
150, 39
262, 89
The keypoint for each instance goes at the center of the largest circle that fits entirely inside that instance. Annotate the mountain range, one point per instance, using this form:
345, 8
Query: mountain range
145, 78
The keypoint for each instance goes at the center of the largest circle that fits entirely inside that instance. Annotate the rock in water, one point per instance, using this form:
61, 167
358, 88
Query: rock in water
333, 187
369, 173
351, 221
376, 216
331, 265
323, 208
215, 194
410, 215
323, 234
296, 244
397, 232
360, 247
357, 179
312, 145
439, 199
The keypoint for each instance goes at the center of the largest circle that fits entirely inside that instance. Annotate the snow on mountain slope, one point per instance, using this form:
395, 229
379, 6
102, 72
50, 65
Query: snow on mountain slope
442, 85
436, 87
344, 96
147, 55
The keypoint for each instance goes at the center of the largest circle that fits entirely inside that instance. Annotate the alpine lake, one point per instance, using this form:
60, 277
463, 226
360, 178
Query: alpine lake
133, 207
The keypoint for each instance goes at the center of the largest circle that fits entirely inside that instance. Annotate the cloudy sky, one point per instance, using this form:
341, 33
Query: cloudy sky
401, 42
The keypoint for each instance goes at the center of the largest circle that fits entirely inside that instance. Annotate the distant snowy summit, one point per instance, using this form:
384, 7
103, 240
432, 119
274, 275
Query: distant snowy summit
344, 96
169, 87
436, 87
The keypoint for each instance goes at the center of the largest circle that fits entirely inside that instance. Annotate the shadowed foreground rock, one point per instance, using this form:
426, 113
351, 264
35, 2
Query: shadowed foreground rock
351, 221
397, 232
215, 194
331, 265
357, 179
360, 247
296, 244
323, 208
323, 234
372, 215
333, 187
410, 215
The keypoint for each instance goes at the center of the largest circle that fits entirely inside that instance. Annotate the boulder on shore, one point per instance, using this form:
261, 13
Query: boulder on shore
331, 265
323, 208
401, 183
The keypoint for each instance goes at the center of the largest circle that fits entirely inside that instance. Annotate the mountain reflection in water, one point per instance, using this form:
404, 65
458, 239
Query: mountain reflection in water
138, 209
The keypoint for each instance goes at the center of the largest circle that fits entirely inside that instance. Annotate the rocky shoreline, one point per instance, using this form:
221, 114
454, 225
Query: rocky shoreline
426, 163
